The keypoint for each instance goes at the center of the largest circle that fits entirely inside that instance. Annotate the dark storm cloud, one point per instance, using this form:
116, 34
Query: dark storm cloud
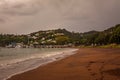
25, 16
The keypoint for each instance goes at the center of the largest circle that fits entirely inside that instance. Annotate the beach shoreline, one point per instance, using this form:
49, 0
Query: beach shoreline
86, 64
37, 62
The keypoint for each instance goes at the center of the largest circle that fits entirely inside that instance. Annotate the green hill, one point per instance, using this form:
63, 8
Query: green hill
63, 36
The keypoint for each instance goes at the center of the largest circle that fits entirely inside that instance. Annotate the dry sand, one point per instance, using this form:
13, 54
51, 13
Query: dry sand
87, 64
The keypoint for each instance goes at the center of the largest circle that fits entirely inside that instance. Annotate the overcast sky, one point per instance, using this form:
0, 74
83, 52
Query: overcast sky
26, 16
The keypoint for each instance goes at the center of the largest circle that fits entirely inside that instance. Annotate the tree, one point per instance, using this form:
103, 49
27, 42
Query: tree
62, 40
115, 38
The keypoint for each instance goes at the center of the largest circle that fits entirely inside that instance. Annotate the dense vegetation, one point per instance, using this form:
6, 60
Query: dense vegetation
62, 36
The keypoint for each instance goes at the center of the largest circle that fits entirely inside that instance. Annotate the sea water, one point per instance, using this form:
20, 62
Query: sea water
17, 60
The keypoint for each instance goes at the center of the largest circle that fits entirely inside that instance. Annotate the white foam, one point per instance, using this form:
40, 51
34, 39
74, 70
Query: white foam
26, 64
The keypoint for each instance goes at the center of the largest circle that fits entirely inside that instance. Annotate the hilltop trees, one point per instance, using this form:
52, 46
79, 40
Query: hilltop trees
115, 37
109, 36
61, 40
6, 39
62, 37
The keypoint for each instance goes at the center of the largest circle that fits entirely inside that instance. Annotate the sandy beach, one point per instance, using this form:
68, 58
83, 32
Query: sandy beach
86, 64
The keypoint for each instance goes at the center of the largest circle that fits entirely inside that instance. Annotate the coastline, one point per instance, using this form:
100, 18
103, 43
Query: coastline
87, 64
37, 62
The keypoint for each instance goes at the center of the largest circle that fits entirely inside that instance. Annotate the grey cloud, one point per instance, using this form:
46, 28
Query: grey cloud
2, 20
19, 8
78, 15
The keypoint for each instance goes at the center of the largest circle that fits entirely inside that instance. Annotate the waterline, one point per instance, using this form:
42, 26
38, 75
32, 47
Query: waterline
34, 62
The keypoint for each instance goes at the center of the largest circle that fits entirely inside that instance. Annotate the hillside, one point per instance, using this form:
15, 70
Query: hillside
63, 36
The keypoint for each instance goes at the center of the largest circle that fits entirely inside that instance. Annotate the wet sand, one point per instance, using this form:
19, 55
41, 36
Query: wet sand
87, 64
